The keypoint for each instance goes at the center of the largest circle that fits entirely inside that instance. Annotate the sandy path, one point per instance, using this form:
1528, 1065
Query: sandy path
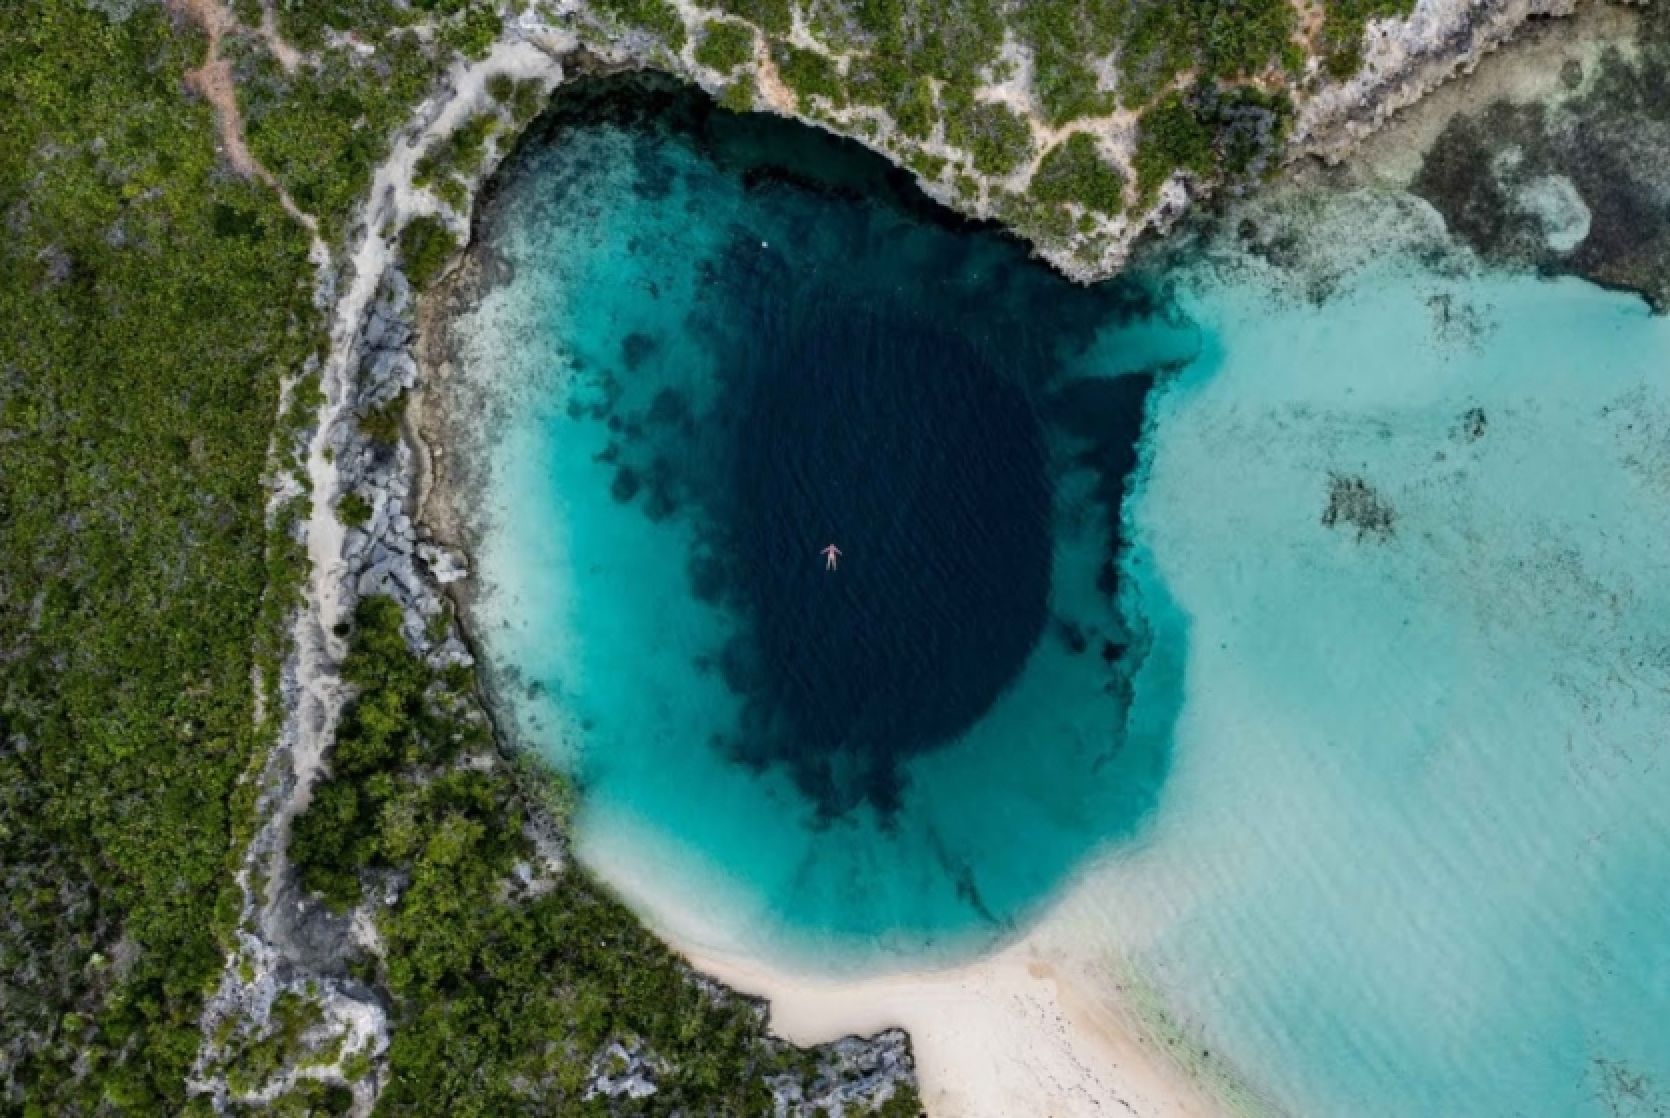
213, 81
315, 699
288, 56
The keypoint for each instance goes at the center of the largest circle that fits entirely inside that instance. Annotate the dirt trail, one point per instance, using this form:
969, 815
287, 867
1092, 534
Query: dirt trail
288, 56
213, 80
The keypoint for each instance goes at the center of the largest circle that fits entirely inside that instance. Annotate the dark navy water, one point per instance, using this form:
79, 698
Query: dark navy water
882, 377
714, 345
905, 446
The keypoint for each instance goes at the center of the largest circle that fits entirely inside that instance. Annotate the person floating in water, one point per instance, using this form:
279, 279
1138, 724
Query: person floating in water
831, 553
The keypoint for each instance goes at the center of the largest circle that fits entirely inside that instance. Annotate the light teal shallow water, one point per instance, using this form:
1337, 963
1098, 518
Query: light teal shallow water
1412, 855
1384, 817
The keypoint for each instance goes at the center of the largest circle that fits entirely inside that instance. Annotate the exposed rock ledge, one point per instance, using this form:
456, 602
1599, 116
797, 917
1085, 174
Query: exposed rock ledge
292, 949
1405, 59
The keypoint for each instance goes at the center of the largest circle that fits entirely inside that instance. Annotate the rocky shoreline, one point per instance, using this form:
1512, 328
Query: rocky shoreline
292, 945
1404, 60
289, 943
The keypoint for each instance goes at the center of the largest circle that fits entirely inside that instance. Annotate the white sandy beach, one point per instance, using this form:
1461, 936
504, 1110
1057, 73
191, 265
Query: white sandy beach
1023, 1032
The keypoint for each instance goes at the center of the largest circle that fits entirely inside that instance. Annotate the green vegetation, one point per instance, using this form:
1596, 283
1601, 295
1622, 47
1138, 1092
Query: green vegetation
152, 301
501, 87
353, 510
383, 424
993, 134
904, 1104
523, 99
1074, 171
1154, 41
1240, 38
467, 26
324, 128
1171, 137
808, 72
739, 95
948, 40
725, 45
1215, 133
389, 727
255, 1057
926, 165
772, 16
504, 995
658, 17
449, 162
910, 101
426, 247
472, 27
1063, 35
926, 63
1343, 25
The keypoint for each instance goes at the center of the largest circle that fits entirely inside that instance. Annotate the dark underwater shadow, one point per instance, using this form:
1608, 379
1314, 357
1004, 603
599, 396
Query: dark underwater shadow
909, 386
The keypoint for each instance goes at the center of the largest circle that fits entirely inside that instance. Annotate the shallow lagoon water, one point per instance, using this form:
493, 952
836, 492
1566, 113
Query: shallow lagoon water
1411, 853
1355, 750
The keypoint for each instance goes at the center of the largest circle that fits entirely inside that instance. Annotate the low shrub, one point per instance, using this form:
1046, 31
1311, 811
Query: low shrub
1074, 171
1343, 25
739, 95
1170, 138
353, 510
426, 245
725, 46
995, 137
772, 16
809, 73
657, 17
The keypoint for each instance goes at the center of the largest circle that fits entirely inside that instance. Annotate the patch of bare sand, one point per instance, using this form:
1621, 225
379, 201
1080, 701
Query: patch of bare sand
1018, 1033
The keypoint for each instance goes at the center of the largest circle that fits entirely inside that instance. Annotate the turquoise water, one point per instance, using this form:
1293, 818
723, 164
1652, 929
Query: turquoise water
1411, 857
1354, 745
718, 353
